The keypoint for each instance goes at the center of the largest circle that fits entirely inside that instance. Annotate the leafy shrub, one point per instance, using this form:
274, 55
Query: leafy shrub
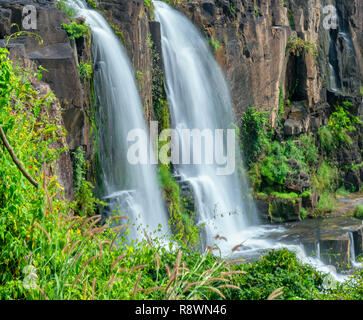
274, 167
85, 70
340, 124
76, 30
352, 289
278, 269
215, 44
303, 213
298, 46
326, 178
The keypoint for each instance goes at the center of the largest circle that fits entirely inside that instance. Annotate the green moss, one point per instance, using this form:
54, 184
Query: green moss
303, 213
119, 33
306, 194
76, 30
291, 195
214, 44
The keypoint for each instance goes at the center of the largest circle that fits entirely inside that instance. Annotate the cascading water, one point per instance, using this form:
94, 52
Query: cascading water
132, 189
199, 99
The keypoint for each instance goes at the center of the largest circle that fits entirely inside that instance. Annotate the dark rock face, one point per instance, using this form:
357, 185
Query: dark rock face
253, 55
253, 37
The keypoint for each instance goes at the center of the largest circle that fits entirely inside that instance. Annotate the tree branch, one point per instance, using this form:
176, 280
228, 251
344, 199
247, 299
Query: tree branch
15, 159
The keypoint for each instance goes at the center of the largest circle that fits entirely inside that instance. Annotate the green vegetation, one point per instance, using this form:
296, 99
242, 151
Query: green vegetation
61, 5
255, 134
341, 123
214, 44
290, 195
139, 78
181, 220
85, 70
326, 182
76, 30
274, 161
358, 212
297, 46
85, 203
119, 33
92, 3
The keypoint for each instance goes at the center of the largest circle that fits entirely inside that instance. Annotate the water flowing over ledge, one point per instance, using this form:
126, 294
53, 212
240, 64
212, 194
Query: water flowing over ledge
131, 188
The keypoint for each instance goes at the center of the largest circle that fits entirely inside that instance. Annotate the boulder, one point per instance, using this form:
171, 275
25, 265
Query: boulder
284, 210
292, 127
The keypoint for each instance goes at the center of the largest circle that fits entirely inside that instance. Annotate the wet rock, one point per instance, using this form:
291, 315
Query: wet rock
209, 7
336, 251
292, 127
262, 203
358, 241
284, 210
310, 200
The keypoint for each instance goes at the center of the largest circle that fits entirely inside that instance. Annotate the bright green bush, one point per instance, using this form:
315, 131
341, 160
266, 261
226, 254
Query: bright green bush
76, 30
85, 70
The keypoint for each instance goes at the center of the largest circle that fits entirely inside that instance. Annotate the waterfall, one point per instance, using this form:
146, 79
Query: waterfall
132, 189
353, 260
342, 58
199, 98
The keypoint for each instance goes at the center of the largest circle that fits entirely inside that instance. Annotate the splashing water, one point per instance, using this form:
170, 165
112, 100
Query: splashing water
199, 98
